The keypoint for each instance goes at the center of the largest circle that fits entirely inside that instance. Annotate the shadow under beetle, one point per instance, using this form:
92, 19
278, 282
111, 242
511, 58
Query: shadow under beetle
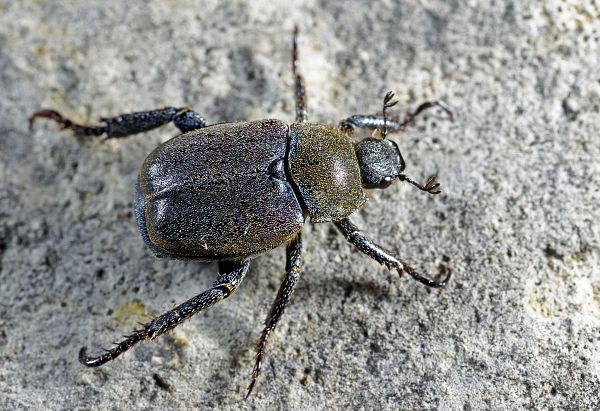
231, 191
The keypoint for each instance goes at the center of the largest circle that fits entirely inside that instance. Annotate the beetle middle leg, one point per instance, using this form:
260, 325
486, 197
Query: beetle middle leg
300, 90
383, 256
230, 277
292, 275
127, 124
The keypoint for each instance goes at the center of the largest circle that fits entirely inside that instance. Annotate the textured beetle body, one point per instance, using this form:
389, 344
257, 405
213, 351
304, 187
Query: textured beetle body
225, 192
218, 193
231, 191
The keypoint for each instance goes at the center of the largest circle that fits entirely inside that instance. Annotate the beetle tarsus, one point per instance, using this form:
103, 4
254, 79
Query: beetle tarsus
431, 104
446, 271
112, 353
64, 123
292, 275
252, 382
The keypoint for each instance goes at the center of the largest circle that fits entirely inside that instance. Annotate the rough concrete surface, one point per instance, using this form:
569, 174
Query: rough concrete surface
518, 327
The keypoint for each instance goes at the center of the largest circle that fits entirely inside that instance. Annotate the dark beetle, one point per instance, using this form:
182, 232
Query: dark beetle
231, 191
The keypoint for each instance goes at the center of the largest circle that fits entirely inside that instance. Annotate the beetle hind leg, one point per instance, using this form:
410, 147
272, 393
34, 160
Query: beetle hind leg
125, 125
292, 275
385, 257
230, 277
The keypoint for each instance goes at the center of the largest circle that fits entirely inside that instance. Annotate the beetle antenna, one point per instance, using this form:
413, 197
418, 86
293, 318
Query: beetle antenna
431, 186
387, 103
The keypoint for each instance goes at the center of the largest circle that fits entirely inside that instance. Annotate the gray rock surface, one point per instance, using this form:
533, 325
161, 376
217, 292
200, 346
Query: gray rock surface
517, 328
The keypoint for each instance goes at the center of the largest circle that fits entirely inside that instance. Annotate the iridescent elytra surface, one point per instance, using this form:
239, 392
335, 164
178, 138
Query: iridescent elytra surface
219, 193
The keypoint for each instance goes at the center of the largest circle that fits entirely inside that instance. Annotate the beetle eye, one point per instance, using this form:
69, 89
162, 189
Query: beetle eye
401, 163
384, 183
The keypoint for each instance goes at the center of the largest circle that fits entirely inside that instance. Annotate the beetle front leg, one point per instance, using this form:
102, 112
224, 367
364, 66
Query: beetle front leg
293, 261
127, 124
383, 256
373, 122
230, 277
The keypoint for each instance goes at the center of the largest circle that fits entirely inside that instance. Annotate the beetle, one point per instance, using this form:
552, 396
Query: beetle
231, 191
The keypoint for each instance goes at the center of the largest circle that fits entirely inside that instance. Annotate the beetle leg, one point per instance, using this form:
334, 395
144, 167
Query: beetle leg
127, 124
300, 93
392, 125
383, 256
284, 295
230, 276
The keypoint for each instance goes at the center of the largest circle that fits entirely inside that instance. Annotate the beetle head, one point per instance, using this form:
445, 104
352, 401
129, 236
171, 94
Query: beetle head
380, 162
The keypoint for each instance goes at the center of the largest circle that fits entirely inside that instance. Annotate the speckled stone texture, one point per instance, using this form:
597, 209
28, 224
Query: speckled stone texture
518, 327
